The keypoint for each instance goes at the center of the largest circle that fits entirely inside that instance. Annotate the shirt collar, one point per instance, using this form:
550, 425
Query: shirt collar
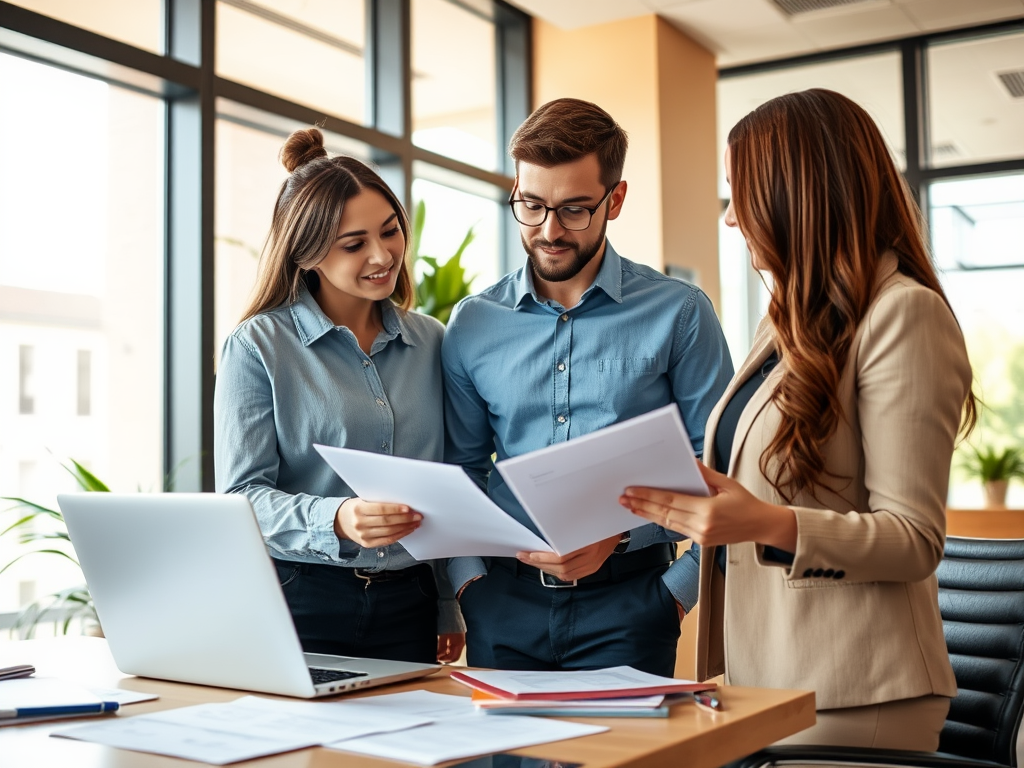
311, 323
609, 279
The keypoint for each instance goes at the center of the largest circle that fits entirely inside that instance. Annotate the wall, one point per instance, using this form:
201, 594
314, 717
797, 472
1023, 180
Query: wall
660, 86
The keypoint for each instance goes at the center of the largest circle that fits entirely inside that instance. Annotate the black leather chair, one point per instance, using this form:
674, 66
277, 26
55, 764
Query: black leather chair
981, 598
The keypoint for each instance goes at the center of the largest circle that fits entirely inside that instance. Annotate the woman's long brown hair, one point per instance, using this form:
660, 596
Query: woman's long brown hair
819, 201
306, 220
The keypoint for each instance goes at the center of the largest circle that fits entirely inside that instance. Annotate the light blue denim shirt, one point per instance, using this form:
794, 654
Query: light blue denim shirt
522, 373
289, 378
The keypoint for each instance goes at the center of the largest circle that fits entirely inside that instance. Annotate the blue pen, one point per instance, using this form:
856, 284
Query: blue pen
71, 709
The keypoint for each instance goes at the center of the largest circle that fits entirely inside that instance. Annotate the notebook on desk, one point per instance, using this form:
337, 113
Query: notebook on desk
185, 591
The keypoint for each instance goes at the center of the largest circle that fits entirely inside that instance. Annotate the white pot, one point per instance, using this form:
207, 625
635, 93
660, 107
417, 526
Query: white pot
995, 494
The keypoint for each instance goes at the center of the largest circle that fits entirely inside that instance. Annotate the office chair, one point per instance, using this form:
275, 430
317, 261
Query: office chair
981, 599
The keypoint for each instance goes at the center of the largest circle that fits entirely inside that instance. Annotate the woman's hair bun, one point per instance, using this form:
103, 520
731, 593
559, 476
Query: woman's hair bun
302, 147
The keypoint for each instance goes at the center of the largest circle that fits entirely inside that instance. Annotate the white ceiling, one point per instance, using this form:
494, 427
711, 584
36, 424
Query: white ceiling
746, 31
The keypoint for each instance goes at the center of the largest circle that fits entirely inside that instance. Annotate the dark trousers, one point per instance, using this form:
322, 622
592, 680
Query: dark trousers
514, 622
394, 616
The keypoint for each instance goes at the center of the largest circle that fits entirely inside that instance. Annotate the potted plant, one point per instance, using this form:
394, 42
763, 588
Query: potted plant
71, 603
444, 285
995, 467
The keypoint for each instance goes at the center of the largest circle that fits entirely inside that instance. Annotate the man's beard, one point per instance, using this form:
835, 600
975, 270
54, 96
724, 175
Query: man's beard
583, 256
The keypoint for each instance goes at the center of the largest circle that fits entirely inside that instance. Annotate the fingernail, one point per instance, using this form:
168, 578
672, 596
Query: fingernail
417, 517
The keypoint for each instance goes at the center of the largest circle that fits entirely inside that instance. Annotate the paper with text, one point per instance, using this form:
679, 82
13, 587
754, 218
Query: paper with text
467, 736
240, 730
458, 518
571, 490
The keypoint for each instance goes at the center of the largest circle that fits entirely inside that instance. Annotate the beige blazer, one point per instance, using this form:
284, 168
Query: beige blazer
856, 616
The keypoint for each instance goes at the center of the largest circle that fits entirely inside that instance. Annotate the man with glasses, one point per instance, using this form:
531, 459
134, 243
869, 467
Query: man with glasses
577, 339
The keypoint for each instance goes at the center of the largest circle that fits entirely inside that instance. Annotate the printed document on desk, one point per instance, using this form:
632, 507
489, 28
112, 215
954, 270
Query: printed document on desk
572, 489
458, 518
243, 729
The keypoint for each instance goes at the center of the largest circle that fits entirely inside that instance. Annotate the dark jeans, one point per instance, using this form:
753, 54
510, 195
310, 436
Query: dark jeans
513, 622
337, 612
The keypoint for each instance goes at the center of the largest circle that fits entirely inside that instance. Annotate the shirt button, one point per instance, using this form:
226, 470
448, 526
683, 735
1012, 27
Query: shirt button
384, 446
561, 419
380, 553
565, 317
366, 363
380, 402
561, 366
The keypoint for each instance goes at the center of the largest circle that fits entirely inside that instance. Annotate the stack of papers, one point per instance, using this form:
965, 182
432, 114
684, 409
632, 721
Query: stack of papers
613, 692
631, 706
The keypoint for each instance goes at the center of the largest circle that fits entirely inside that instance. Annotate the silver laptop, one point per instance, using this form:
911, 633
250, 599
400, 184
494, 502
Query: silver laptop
184, 590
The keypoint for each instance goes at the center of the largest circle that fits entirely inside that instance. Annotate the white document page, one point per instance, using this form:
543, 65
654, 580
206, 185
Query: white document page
571, 490
123, 696
238, 730
25, 692
436, 706
144, 733
458, 518
462, 737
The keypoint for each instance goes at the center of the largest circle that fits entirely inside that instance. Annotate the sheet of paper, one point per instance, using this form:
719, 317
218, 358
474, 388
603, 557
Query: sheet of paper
318, 722
572, 489
238, 730
144, 733
26, 692
436, 706
122, 696
458, 518
462, 737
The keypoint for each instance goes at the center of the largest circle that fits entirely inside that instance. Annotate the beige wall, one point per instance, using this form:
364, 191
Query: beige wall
660, 86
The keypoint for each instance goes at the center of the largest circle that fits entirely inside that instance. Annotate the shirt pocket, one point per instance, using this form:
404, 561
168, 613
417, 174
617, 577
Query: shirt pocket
622, 379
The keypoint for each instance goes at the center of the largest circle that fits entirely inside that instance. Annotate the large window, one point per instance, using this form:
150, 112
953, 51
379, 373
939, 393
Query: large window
81, 293
951, 107
873, 81
139, 144
306, 51
455, 82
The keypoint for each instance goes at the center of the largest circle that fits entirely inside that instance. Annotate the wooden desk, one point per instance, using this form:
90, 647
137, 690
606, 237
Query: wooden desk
985, 523
691, 737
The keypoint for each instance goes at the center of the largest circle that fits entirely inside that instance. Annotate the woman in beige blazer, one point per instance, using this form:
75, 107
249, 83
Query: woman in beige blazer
820, 543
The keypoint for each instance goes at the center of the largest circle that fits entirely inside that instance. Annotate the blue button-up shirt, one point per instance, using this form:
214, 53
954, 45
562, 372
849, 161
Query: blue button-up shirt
522, 373
289, 378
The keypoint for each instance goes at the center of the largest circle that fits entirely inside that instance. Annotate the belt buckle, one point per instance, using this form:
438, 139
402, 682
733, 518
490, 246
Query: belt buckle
367, 575
555, 582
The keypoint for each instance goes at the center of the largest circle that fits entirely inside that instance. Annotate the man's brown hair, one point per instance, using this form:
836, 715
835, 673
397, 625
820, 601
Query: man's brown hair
565, 130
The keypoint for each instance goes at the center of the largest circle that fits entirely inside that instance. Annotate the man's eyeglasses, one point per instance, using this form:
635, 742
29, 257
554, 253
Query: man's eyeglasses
530, 213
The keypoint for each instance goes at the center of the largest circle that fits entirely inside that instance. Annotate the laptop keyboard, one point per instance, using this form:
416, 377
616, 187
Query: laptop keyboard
321, 675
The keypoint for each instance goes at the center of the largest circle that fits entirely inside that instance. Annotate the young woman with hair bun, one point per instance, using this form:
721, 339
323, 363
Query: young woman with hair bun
328, 352
828, 457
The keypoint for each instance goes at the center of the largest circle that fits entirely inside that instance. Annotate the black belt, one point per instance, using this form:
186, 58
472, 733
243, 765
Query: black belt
365, 574
616, 568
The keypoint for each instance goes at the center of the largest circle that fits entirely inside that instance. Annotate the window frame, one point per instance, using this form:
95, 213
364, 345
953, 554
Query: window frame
920, 175
185, 77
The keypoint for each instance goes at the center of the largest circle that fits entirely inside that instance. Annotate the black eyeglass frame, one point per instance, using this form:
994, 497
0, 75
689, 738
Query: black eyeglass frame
556, 208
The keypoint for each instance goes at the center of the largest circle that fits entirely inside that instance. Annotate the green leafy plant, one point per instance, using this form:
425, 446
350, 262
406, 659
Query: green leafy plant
988, 463
444, 285
71, 603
